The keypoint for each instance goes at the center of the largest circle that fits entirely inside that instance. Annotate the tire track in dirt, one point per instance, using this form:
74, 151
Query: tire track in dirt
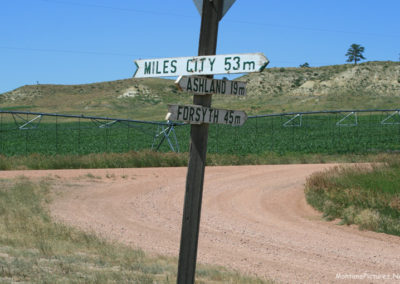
254, 219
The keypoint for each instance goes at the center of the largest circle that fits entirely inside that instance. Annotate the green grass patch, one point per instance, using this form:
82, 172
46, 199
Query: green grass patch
22, 107
148, 158
94, 161
366, 195
34, 249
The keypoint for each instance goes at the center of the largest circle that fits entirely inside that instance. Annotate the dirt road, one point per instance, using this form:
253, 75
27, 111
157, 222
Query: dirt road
254, 219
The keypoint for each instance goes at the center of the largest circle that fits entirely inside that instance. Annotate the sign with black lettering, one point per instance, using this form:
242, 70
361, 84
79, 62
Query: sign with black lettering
196, 114
203, 85
200, 65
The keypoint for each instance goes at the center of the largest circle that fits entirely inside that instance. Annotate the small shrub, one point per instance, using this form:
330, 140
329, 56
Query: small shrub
331, 210
298, 82
395, 203
90, 175
349, 214
367, 220
305, 65
390, 225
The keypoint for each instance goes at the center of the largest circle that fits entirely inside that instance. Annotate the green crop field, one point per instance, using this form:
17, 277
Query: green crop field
74, 138
311, 133
315, 134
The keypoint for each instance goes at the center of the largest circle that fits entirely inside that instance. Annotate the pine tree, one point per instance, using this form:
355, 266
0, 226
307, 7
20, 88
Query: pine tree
355, 53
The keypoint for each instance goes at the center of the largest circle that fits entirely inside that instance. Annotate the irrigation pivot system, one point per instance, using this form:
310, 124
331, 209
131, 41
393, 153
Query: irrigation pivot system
23, 132
338, 131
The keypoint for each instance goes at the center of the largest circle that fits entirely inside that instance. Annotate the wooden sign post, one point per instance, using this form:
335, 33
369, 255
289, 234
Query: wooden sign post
211, 14
200, 114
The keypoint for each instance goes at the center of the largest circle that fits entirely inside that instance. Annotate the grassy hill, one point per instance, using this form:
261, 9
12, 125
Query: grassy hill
364, 86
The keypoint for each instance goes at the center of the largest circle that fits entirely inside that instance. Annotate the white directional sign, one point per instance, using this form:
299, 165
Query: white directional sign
225, 7
196, 114
201, 65
202, 85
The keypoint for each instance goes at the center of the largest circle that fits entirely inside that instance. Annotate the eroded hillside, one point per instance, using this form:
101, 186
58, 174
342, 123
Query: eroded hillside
364, 86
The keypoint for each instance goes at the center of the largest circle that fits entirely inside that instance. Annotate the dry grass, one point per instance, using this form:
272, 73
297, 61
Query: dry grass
366, 195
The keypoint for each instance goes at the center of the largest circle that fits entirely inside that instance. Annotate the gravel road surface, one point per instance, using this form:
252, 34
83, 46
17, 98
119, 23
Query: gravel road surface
254, 219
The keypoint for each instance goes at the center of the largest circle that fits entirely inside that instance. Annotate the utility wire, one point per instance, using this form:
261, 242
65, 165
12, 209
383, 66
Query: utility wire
115, 8
116, 54
312, 29
169, 14
290, 27
72, 51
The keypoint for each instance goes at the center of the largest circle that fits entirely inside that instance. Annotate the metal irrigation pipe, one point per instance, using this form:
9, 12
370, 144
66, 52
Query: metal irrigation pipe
322, 112
91, 117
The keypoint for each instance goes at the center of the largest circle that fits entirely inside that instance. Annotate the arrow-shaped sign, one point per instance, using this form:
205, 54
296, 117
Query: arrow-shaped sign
202, 85
196, 114
201, 65
225, 7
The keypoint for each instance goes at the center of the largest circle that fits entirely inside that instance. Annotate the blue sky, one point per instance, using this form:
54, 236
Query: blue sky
85, 41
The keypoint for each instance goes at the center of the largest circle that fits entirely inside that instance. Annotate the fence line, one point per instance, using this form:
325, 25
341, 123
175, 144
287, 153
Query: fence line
337, 131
